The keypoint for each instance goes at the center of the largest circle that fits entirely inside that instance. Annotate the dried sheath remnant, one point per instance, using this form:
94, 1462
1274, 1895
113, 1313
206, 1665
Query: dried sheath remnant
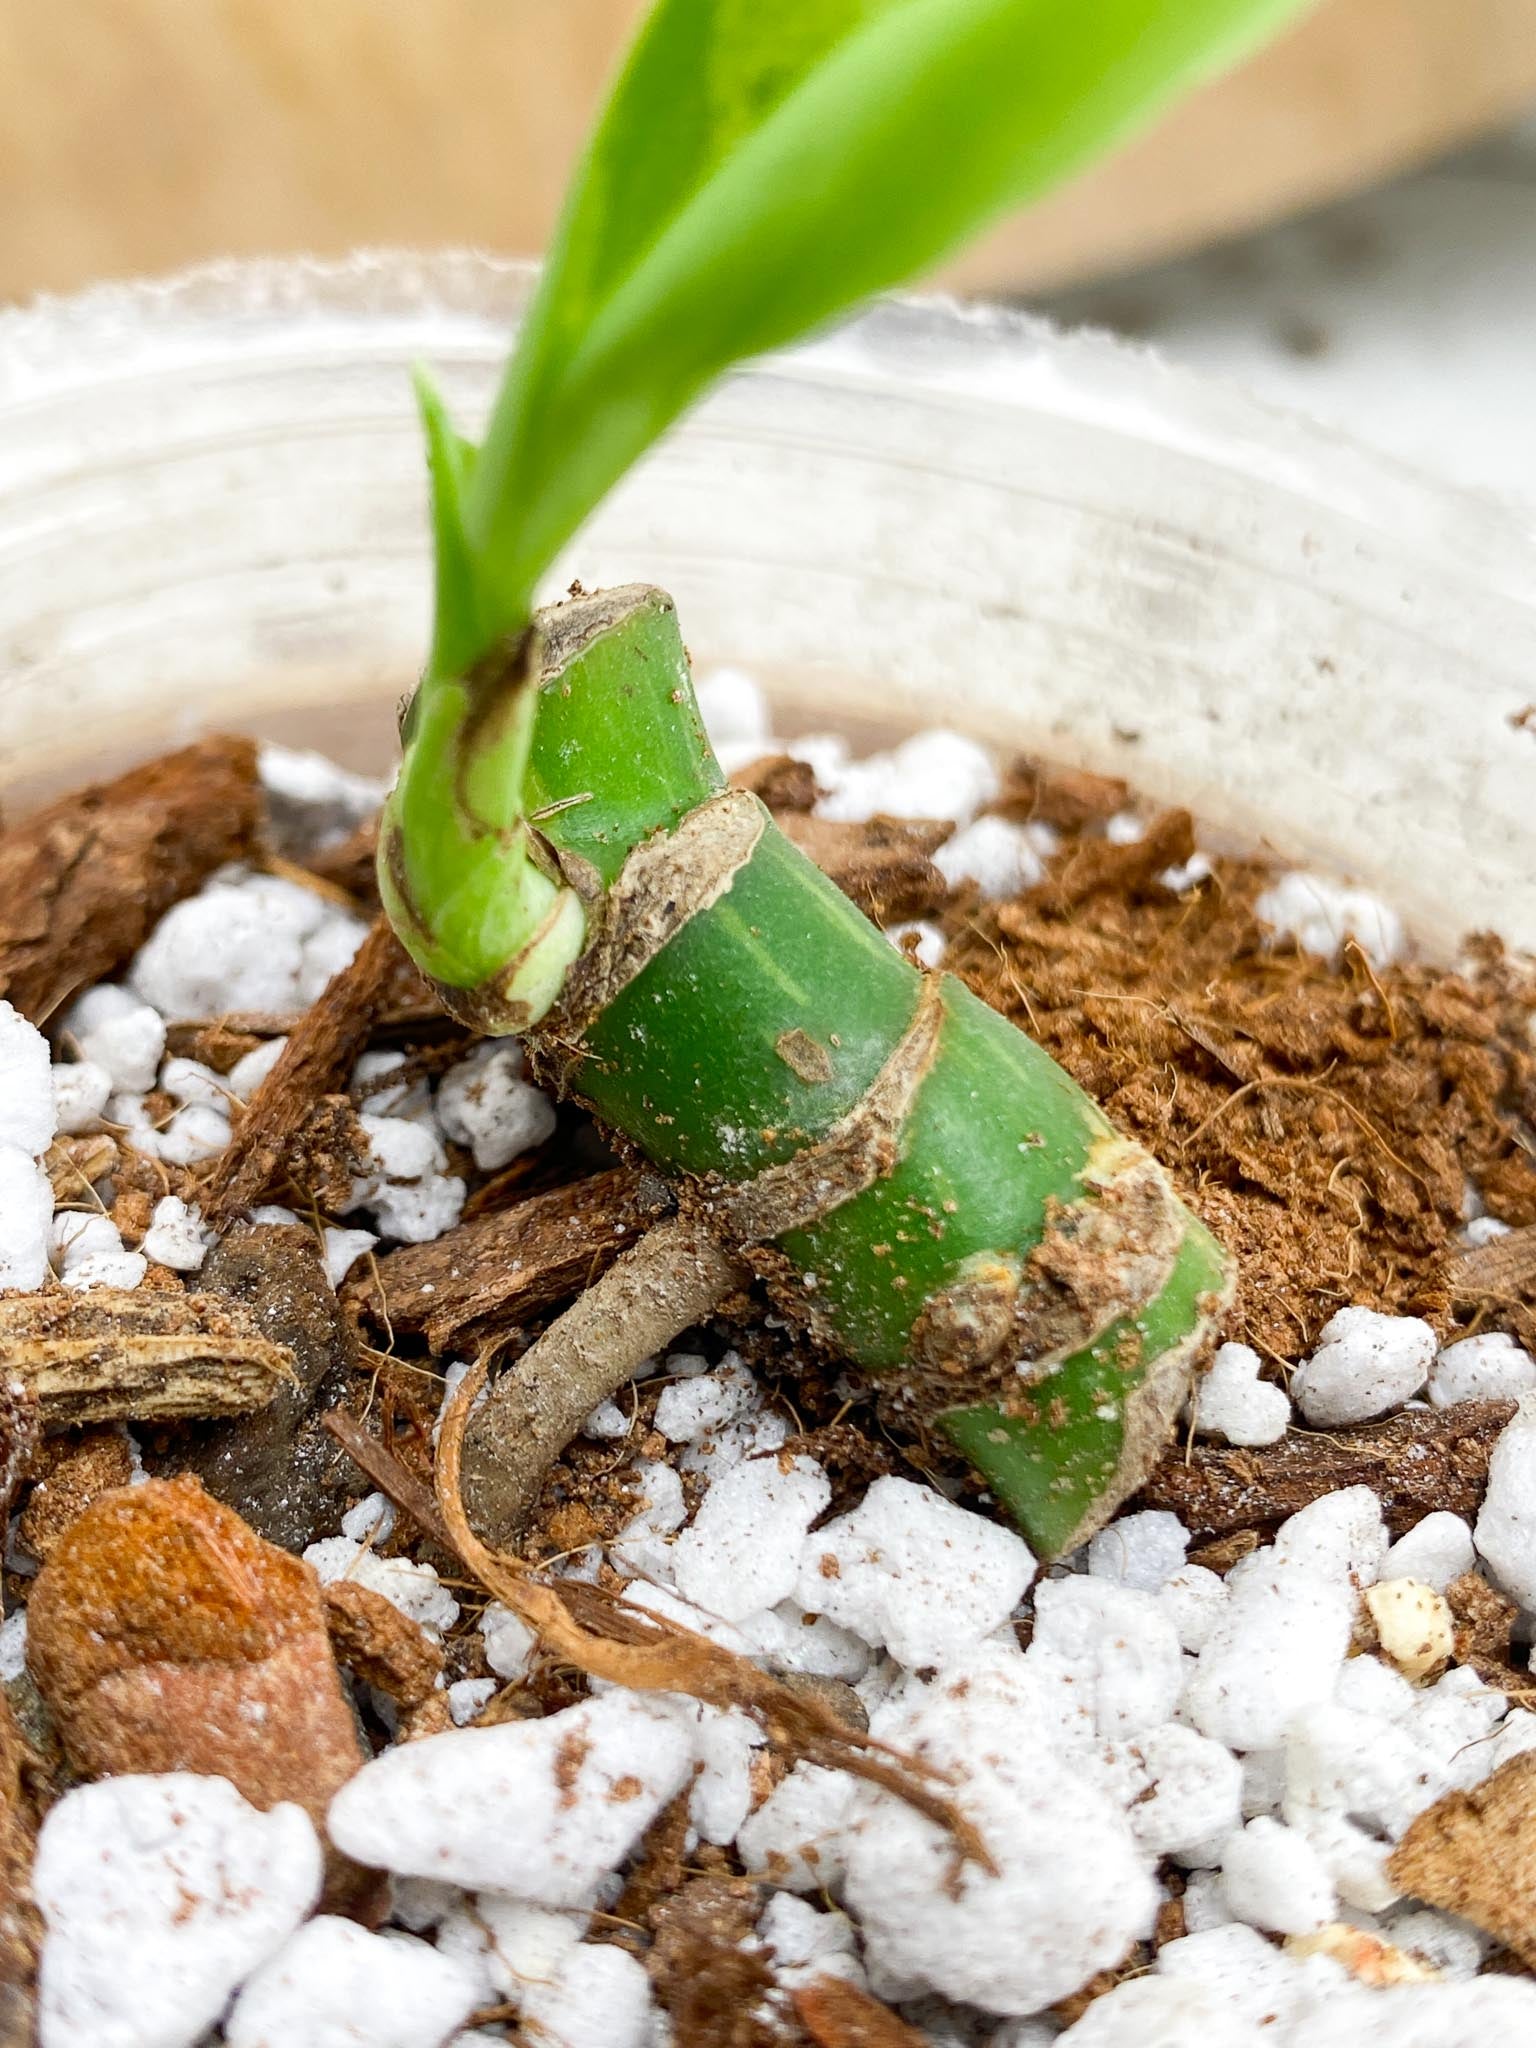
316, 1060
83, 882
479, 1280
1416, 1462
124, 1355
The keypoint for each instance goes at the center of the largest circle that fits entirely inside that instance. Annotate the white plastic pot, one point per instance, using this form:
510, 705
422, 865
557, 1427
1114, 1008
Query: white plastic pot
212, 513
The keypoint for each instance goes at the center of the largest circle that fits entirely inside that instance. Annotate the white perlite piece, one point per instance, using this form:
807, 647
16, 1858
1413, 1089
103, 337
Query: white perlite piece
929, 944
177, 1235
161, 1895
343, 1249
1275, 1880
411, 1195
742, 1550
1490, 1367
311, 797
485, 1103
1142, 1550
244, 942
935, 774
542, 1810
248, 1072
26, 1212
909, 1571
1232, 1402
27, 1117
509, 1641
1196, 1791
1365, 1364
1506, 1525
1321, 915
1433, 1551
13, 1645
334, 1986
596, 1996
89, 1251
189, 1081
80, 1093
703, 1401
1156, 2012
1105, 1660
994, 854
119, 1032
1276, 1647
806, 1944
1013, 1940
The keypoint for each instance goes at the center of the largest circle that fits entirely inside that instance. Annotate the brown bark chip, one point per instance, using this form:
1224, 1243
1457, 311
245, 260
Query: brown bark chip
281, 1469
1484, 1621
21, 1927
314, 1063
708, 1982
883, 864
165, 1635
112, 1354
837, 2014
484, 1277
76, 1471
1416, 1462
1474, 1854
783, 783
85, 881
384, 1647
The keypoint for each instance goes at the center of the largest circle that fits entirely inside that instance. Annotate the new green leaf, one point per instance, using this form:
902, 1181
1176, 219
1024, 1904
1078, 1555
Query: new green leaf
760, 167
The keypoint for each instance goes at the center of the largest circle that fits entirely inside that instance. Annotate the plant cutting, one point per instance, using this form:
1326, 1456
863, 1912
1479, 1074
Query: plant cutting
913, 1181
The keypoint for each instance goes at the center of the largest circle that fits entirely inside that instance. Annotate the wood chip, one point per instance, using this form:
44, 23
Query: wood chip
883, 864
382, 1646
21, 1927
710, 1981
110, 1355
485, 1277
783, 783
75, 1471
1484, 1621
1474, 1854
1500, 1270
349, 864
316, 1062
74, 1165
20, 1428
84, 881
1098, 867
1067, 797
1416, 1462
837, 2014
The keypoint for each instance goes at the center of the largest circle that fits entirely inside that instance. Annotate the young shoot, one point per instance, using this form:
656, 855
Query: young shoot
913, 1180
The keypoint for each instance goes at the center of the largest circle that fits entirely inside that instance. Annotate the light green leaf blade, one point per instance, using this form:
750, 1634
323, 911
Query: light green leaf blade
759, 168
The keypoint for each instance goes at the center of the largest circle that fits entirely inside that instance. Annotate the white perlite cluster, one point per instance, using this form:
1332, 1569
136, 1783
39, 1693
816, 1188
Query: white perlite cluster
1157, 1712
248, 942
1124, 1710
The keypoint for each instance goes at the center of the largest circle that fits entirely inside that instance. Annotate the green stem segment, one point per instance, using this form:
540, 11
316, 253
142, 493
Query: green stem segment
917, 1182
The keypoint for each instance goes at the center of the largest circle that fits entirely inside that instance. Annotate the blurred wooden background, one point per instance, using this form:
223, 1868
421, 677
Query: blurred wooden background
140, 135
